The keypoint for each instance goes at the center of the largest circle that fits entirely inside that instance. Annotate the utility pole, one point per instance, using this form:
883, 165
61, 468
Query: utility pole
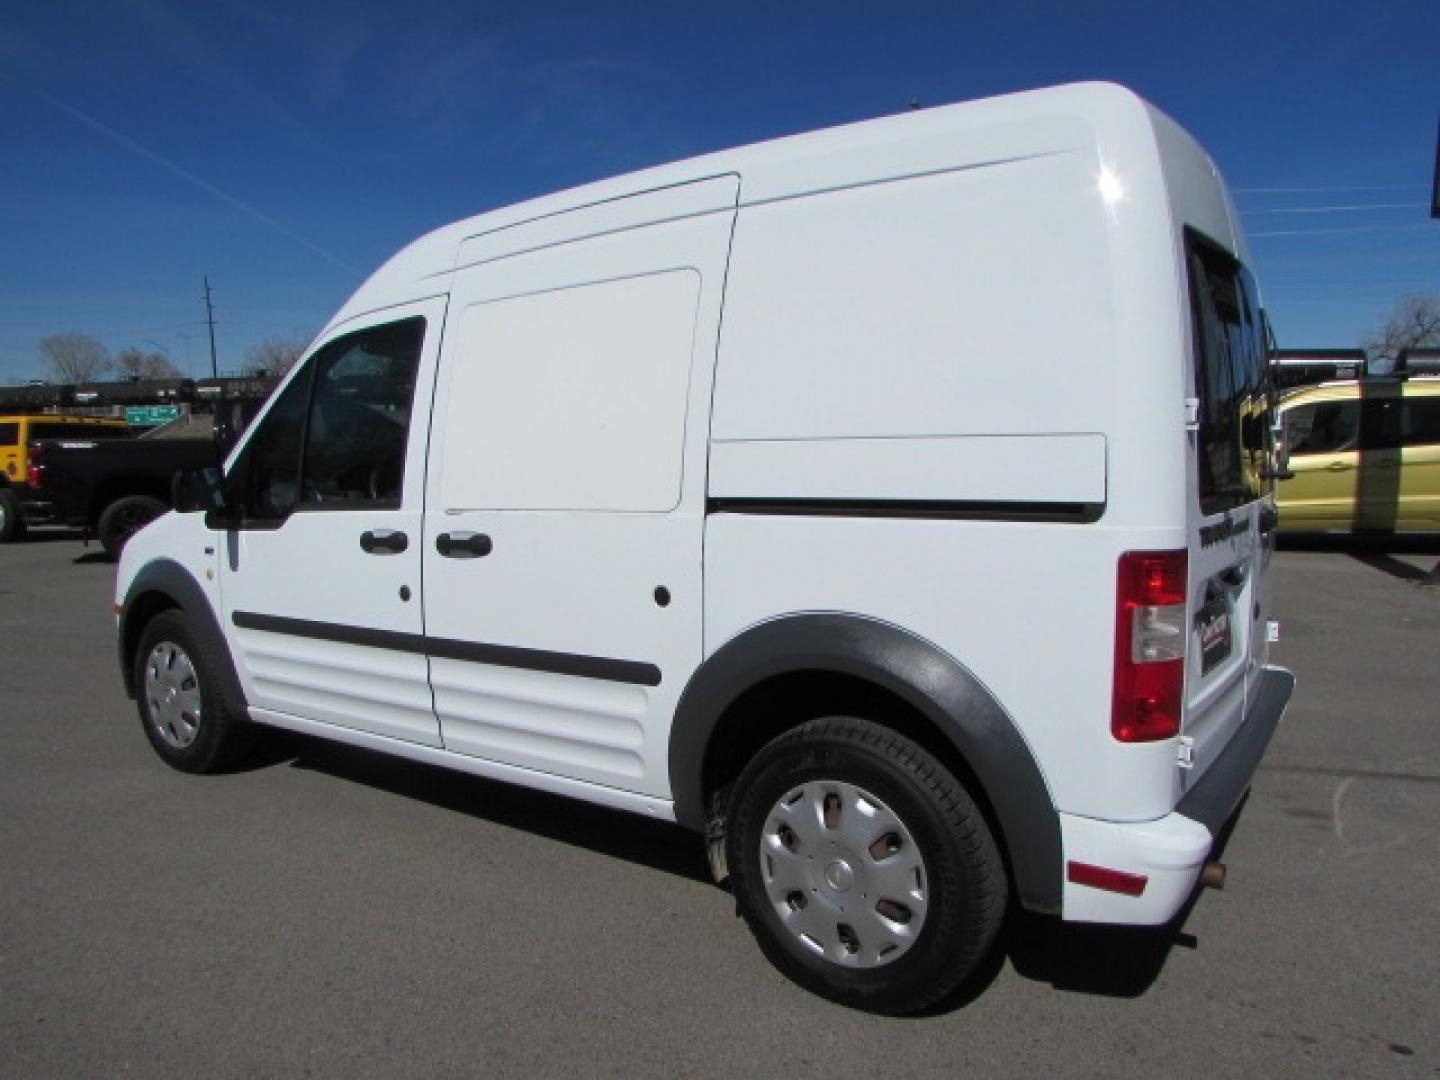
210, 319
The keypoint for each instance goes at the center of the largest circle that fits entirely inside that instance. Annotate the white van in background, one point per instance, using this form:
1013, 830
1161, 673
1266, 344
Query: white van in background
889, 504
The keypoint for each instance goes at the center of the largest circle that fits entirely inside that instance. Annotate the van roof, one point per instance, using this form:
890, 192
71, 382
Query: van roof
1033, 123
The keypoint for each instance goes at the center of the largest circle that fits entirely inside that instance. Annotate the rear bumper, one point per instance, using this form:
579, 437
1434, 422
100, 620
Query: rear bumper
1170, 851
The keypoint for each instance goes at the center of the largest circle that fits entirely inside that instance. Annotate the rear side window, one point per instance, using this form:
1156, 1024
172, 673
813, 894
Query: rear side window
9, 434
1420, 422
1232, 378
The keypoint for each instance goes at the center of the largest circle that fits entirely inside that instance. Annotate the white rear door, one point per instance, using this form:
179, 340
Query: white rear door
1231, 545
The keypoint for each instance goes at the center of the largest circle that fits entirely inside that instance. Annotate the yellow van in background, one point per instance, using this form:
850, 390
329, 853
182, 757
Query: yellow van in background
1365, 457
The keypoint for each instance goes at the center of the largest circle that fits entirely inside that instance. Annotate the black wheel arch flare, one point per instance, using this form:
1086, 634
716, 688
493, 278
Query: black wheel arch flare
166, 585
931, 681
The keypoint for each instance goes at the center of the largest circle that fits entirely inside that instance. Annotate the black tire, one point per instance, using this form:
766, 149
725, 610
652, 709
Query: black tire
182, 709
961, 886
12, 525
123, 518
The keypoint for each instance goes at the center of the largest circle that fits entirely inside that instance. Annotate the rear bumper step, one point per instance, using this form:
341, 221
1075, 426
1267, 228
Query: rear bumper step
1167, 857
1214, 797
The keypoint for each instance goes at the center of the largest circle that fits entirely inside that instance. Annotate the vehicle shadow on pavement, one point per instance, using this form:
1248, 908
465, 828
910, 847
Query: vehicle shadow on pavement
654, 844
47, 534
1107, 961
1378, 551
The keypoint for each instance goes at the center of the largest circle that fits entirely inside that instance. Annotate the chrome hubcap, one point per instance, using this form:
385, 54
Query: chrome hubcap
844, 874
172, 695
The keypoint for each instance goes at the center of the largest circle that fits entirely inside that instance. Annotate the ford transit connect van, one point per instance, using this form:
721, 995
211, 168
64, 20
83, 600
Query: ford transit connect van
890, 505
1364, 457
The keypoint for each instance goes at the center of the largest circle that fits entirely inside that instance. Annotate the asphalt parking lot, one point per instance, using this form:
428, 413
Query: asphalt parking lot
330, 912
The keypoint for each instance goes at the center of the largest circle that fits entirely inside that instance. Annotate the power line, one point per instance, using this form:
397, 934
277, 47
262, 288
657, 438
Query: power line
1323, 190
1338, 232
1344, 209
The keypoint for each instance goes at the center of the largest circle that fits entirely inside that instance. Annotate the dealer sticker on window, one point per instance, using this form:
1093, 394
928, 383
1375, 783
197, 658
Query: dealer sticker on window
1213, 624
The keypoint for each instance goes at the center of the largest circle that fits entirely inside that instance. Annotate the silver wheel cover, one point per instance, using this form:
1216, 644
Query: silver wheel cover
844, 874
172, 695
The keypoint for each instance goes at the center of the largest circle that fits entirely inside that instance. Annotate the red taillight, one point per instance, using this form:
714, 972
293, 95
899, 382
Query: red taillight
1149, 645
32, 470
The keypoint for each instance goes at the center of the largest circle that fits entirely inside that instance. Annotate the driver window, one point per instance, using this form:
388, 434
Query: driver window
360, 417
336, 436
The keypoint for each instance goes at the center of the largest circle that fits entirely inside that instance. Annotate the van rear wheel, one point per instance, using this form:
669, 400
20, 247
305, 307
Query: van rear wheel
863, 867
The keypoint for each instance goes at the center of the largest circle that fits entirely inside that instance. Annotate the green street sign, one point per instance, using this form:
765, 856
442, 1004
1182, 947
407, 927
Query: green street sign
151, 415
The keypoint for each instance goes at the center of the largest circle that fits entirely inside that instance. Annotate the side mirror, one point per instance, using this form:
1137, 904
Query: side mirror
1280, 455
197, 489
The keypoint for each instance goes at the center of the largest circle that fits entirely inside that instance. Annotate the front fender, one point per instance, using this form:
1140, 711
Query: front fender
164, 584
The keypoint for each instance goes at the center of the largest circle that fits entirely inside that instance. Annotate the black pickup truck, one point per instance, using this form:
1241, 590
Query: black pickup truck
112, 488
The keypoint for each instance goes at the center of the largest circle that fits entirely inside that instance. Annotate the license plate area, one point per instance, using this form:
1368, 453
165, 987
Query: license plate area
1213, 625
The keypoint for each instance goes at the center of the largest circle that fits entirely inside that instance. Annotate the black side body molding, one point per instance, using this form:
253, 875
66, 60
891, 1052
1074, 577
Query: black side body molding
167, 577
1075, 513
930, 680
475, 652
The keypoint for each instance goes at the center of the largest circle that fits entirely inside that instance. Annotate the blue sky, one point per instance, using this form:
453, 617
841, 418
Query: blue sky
286, 149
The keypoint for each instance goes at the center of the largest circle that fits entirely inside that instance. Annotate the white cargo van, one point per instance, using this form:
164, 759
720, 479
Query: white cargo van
891, 505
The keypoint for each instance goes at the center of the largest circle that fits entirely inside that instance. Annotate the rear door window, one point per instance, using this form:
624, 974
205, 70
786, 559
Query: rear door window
9, 434
1232, 378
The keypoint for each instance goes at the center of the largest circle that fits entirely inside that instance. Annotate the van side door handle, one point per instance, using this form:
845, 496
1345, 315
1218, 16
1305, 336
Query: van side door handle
463, 545
383, 542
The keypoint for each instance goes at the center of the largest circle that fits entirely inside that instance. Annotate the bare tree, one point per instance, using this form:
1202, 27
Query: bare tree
133, 363
274, 356
74, 357
1414, 323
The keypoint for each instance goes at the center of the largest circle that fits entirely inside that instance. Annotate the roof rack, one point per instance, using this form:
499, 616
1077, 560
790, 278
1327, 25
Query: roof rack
1307, 367
1418, 362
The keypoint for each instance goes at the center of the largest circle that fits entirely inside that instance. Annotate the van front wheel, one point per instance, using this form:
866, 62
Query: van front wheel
180, 703
863, 867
